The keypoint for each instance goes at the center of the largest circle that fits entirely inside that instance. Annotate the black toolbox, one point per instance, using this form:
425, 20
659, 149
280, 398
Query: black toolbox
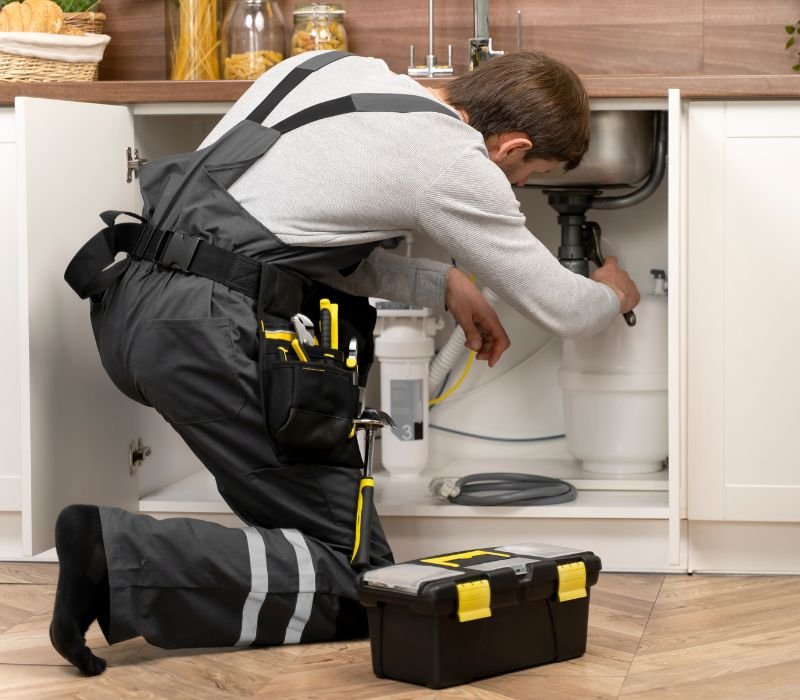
454, 618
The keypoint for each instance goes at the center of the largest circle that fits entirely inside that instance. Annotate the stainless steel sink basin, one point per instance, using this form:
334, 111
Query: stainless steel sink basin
619, 153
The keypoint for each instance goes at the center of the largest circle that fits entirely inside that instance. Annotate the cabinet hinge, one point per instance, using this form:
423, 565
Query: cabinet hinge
138, 453
134, 162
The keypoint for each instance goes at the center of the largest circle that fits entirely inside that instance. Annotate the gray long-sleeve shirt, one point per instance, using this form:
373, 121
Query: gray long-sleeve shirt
367, 177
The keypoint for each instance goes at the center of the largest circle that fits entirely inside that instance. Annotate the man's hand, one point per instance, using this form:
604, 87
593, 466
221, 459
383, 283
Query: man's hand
483, 330
620, 282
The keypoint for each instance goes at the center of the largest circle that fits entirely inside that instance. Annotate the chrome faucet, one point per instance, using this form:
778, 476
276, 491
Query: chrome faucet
431, 69
480, 45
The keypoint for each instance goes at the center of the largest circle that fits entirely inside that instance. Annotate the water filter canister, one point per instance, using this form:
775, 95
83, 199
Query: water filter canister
404, 347
615, 391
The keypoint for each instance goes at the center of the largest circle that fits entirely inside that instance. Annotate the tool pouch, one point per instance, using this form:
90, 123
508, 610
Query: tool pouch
310, 405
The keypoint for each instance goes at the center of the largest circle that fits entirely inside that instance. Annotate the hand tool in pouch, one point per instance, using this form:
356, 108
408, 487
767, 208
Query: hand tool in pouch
299, 351
304, 329
352, 364
370, 420
352, 359
325, 322
329, 323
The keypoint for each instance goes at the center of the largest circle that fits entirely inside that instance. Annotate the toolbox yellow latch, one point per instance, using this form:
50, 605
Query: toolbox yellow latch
474, 600
571, 581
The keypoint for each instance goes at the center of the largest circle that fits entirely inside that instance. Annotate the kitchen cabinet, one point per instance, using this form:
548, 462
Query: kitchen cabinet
725, 205
76, 430
744, 325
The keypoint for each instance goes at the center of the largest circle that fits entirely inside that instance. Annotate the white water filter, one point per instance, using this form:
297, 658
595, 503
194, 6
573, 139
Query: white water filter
615, 391
404, 347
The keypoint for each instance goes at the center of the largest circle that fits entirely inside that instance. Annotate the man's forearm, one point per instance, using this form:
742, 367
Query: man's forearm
413, 281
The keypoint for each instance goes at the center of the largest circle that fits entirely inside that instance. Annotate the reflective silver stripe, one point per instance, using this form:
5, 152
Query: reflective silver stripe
259, 583
305, 590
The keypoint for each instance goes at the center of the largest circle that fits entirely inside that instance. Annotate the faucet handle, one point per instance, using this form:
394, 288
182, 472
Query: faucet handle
480, 50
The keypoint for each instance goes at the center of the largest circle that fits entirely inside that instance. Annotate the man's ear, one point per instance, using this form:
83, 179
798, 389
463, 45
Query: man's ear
512, 144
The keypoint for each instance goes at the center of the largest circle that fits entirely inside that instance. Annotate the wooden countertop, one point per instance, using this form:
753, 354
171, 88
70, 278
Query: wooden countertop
131, 92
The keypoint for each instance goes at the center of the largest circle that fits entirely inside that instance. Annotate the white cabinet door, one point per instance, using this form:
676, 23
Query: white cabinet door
10, 473
76, 426
676, 251
744, 311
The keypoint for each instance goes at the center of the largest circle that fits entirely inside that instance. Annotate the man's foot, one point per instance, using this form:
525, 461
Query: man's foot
82, 586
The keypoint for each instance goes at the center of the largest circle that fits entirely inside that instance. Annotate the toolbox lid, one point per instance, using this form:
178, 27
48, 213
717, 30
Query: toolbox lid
407, 578
539, 550
517, 564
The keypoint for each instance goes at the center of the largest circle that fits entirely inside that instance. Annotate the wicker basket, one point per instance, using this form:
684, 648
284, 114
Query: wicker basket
39, 58
89, 22
41, 70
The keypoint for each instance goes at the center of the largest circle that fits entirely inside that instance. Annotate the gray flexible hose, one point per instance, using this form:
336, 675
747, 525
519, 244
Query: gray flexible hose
502, 489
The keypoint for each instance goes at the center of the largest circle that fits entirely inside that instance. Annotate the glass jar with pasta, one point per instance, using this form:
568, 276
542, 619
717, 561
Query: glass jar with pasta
318, 26
193, 33
253, 38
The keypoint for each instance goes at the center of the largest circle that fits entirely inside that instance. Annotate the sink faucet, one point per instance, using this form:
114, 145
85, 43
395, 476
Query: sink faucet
480, 45
431, 69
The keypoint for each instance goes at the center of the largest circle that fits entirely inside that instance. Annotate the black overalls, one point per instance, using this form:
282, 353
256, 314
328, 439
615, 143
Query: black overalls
178, 327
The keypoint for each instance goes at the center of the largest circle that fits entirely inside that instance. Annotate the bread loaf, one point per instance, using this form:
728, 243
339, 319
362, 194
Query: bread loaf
13, 13
34, 16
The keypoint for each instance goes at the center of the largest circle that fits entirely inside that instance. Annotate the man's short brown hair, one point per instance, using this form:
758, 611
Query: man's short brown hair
529, 92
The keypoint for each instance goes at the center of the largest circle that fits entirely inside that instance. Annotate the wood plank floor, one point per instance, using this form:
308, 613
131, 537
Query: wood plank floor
650, 636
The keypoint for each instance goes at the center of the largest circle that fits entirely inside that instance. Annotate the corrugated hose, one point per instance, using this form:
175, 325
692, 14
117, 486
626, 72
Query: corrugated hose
503, 489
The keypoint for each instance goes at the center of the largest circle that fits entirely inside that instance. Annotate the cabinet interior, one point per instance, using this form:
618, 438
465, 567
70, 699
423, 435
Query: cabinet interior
172, 480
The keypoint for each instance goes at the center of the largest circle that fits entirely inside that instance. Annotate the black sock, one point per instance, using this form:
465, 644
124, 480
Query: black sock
82, 594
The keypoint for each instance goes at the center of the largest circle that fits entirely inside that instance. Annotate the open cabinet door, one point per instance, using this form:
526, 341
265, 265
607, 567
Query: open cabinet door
676, 323
76, 426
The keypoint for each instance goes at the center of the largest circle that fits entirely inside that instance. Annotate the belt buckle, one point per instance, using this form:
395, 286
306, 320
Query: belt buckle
179, 252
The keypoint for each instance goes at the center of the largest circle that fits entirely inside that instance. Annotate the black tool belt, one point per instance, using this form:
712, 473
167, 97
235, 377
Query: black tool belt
93, 268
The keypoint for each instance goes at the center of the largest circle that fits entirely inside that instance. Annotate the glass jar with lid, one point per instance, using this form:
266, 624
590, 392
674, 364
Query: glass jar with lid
318, 26
253, 38
193, 35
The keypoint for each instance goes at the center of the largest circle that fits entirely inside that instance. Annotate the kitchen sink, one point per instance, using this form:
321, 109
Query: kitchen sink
619, 153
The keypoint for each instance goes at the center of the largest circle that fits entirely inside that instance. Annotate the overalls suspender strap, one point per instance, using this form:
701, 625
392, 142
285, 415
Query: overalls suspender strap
93, 269
291, 81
